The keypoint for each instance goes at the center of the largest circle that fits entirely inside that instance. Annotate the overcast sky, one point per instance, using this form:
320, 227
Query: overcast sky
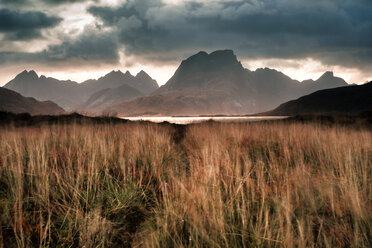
81, 39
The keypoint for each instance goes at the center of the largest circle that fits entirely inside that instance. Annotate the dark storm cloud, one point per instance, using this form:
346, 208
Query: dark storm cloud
57, 2
325, 29
87, 48
111, 16
12, 1
334, 32
53, 2
23, 35
90, 46
17, 25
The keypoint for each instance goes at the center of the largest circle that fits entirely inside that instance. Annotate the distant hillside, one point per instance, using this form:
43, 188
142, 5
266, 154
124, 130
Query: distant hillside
217, 83
107, 97
326, 81
14, 102
69, 94
351, 99
200, 102
272, 87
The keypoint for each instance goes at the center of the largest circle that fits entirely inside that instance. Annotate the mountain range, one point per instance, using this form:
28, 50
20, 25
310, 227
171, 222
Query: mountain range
203, 84
217, 83
71, 95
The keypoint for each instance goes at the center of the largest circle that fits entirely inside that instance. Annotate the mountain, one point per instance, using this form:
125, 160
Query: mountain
69, 94
351, 99
107, 97
273, 87
203, 84
29, 84
14, 102
142, 82
326, 81
201, 71
217, 83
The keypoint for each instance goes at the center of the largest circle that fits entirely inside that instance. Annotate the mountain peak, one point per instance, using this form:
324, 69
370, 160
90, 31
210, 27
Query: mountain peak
328, 80
196, 57
113, 73
127, 73
27, 75
117, 75
218, 59
219, 55
267, 70
327, 75
201, 70
142, 74
223, 53
201, 53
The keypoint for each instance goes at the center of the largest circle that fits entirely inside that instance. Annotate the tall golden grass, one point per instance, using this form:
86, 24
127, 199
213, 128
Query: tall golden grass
215, 185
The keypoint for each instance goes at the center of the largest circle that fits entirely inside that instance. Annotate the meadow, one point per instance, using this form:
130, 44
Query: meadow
266, 184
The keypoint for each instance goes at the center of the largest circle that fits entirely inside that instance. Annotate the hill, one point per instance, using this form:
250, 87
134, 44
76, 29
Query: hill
14, 102
351, 99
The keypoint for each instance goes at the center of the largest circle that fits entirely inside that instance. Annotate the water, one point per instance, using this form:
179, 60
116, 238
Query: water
189, 120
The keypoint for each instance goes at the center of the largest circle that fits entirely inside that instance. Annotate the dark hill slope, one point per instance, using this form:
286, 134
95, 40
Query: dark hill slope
14, 102
350, 99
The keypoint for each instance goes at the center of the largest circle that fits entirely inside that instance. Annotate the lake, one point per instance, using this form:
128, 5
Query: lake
189, 120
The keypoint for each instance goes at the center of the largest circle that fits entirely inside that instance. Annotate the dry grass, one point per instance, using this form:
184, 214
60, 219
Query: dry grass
221, 185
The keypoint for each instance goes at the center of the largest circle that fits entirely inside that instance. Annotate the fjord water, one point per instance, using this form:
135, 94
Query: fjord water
199, 119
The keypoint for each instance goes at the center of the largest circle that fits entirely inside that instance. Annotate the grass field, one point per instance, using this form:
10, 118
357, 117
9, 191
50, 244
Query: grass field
208, 185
